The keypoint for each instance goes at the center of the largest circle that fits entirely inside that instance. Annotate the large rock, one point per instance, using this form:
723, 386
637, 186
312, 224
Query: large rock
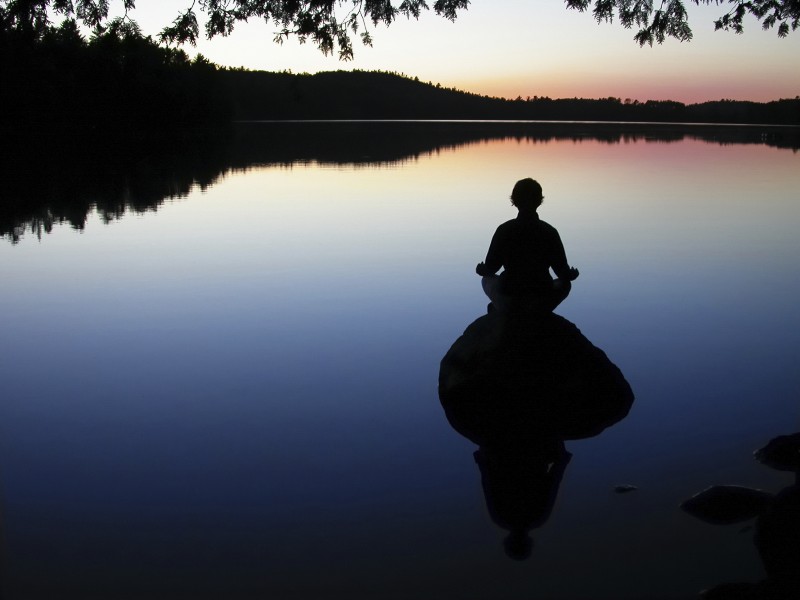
517, 377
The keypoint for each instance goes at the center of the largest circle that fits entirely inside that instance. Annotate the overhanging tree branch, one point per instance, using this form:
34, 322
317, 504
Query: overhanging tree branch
329, 24
670, 18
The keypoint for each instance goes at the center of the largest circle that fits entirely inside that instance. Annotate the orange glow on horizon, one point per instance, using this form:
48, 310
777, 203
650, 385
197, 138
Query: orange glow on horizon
686, 91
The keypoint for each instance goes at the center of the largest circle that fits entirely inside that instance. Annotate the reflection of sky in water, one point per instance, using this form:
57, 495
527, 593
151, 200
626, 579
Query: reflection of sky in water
240, 389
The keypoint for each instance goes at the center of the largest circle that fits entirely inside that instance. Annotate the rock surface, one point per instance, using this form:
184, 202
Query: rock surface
782, 453
529, 375
727, 504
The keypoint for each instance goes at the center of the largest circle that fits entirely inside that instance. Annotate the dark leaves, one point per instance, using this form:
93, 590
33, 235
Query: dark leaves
670, 18
449, 8
579, 5
220, 22
92, 12
122, 28
63, 7
183, 29
604, 10
382, 11
635, 13
329, 24
412, 9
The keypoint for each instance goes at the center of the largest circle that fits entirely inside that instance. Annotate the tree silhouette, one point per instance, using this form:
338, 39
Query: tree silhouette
117, 84
669, 18
331, 24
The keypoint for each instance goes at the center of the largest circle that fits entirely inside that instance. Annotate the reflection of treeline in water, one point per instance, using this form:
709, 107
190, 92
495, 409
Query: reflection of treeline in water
64, 183
370, 143
379, 95
117, 83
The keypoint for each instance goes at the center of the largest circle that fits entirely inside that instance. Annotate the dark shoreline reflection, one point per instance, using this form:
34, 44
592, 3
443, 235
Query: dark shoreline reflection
518, 386
48, 181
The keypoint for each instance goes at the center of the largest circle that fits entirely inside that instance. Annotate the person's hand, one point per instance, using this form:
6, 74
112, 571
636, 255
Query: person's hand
573, 273
482, 270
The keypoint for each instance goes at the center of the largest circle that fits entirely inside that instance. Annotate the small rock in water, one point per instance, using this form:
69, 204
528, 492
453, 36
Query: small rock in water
726, 504
782, 453
624, 489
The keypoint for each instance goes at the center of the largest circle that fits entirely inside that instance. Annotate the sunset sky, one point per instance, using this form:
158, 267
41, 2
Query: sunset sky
525, 48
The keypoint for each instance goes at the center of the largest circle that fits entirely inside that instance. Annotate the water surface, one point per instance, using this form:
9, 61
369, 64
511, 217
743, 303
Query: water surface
225, 384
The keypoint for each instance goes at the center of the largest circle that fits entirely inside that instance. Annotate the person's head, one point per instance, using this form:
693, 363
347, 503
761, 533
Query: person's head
527, 194
518, 544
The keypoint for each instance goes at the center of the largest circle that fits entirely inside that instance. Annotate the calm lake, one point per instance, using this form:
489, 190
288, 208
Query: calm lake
219, 368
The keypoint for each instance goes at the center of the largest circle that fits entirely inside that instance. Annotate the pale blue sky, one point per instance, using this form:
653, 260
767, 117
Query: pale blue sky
533, 47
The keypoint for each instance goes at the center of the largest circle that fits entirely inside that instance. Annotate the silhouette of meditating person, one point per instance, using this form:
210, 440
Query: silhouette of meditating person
526, 248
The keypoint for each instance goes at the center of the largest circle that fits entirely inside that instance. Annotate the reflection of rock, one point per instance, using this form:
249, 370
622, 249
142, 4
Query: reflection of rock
778, 537
777, 528
523, 375
518, 386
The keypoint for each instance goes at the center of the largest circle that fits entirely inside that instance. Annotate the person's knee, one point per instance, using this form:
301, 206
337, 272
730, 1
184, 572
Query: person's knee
489, 283
561, 289
563, 286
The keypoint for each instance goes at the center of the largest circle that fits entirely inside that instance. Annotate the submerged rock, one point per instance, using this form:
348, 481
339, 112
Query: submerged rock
727, 504
782, 453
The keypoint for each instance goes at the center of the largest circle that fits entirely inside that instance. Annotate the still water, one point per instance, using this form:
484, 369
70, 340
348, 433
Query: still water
228, 388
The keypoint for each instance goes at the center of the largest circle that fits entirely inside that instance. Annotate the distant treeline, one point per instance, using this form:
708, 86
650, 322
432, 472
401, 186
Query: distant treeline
116, 84
381, 95
121, 84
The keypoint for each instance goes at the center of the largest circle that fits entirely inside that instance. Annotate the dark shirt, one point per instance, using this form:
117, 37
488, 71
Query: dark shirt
526, 248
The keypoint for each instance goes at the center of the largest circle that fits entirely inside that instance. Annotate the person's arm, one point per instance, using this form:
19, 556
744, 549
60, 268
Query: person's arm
559, 261
493, 261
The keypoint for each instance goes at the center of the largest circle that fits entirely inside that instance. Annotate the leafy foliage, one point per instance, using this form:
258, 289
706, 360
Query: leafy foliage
331, 24
670, 18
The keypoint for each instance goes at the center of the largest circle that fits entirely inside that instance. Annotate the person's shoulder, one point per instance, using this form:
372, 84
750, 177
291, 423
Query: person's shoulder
510, 224
547, 227
545, 224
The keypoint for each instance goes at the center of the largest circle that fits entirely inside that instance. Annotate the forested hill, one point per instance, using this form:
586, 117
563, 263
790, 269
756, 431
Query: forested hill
260, 95
119, 84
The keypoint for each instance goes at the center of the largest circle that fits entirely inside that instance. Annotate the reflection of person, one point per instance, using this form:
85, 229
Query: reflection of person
520, 485
526, 248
